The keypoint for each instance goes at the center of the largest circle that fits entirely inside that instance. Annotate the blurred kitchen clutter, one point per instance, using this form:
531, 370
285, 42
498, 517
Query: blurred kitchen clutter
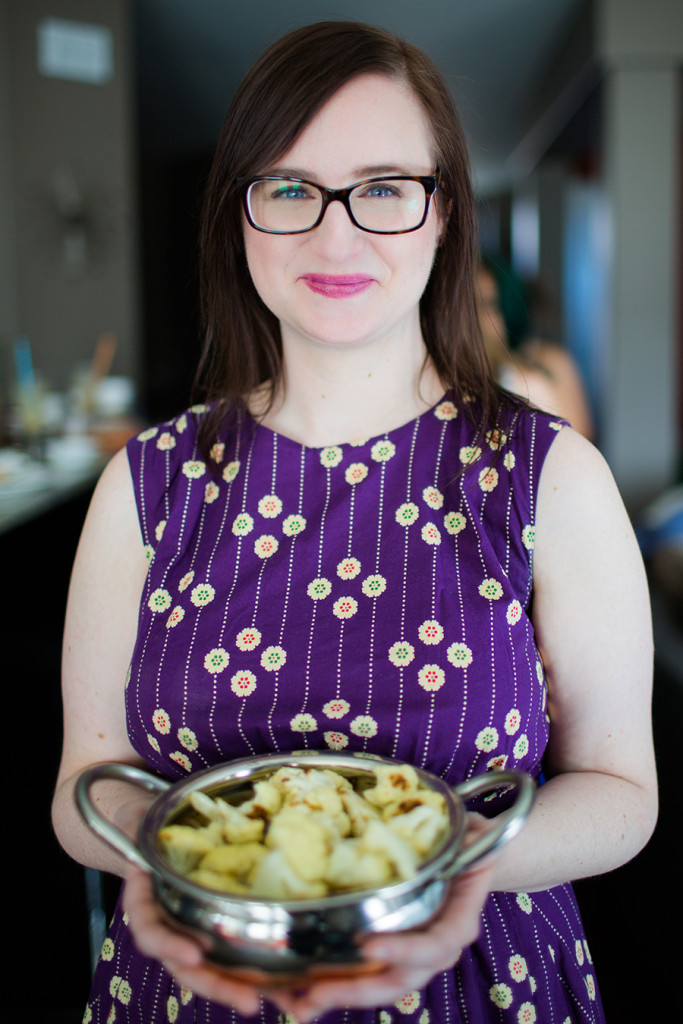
44, 432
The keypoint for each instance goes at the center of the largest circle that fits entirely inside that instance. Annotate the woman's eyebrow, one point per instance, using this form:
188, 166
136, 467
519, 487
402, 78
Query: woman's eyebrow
358, 174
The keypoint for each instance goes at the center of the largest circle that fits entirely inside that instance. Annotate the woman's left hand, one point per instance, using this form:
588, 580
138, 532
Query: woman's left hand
411, 958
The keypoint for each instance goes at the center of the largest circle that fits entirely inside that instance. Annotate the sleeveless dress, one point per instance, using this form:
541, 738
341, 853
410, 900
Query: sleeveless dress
372, 597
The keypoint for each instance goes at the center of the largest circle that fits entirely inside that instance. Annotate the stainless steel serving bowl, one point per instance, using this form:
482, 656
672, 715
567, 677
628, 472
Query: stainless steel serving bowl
281, 940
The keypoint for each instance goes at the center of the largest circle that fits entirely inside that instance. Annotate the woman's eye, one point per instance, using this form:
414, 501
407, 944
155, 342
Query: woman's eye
290, 192
381, 190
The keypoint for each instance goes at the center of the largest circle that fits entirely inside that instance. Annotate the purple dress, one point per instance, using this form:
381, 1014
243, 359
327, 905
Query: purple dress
366, 597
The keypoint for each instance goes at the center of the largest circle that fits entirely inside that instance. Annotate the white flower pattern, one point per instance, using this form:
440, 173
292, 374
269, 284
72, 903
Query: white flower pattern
355, 598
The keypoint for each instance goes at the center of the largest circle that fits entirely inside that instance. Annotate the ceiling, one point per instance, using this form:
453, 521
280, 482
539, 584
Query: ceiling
494, 53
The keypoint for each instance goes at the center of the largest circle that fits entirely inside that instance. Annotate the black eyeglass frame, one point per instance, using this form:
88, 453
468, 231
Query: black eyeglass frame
429, 182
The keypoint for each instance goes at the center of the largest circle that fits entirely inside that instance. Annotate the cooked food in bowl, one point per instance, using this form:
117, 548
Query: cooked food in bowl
240, 853
306, 833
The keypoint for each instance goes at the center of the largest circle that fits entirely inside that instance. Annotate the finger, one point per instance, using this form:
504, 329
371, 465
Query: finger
215, 986
381, 989
439, 944
153, 935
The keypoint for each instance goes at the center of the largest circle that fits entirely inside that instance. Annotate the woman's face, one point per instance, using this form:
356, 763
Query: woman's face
338, 285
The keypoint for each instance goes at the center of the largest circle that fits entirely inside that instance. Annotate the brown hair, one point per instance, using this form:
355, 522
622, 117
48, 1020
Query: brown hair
278, 98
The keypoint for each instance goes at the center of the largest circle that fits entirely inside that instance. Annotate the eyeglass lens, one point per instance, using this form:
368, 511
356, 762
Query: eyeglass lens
383, 206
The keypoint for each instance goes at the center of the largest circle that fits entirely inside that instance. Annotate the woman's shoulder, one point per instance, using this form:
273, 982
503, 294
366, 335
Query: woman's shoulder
576, 476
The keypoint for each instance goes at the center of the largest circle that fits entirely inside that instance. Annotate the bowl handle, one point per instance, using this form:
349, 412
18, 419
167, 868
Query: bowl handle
505, 825
112, 835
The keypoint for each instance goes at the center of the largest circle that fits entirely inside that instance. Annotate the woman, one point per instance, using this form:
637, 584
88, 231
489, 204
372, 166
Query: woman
338, 551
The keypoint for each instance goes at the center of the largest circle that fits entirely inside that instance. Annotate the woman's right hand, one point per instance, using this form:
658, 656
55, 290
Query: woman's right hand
181, 954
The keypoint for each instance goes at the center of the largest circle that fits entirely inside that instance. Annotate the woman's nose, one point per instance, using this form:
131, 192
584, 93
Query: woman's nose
337, 235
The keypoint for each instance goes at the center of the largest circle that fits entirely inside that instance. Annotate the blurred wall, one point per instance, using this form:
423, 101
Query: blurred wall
68, 264
641, 45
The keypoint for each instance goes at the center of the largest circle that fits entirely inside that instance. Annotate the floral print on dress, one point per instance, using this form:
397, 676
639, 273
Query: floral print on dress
160, 600
202, 595
270, 506
407, 513
431, 632
186, 581
331, 457
243, 683
373, 586
364, 725
488, 478
176, 617
487, 739
273, 658
194, 469
528, 537
266, 545
345, 607
148, 434
513, 720
356, 472
460, 655
165, 442
524, 902
336, 740
401, 653
514, 612
446, 410
501, 995
454, 522
248, 639
436, 665
518, 967
490, 589
430, 534
383, 450
336, 708
242, 525
293, 525
408, 1003
187, 739
496, 439
231, 470
303, 722
161, 721
433, 497
431, 677
348, 569
319, 589
181, 759
211, 492
469, 454
216, 660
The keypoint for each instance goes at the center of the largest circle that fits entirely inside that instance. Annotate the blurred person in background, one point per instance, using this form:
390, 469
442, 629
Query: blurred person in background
541, 371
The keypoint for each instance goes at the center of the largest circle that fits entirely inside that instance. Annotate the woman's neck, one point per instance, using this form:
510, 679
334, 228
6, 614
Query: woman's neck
333, 395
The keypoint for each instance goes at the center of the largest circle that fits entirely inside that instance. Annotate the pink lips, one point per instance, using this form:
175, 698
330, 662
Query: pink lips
337, 286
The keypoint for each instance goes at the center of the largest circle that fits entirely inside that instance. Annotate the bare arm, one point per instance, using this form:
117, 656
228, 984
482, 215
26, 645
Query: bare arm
101, 623
592, 620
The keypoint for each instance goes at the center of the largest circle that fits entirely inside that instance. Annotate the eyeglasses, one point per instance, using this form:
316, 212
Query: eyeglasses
384, 206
